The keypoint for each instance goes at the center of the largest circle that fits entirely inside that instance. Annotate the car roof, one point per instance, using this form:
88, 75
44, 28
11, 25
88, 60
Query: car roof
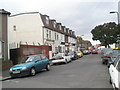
34, 55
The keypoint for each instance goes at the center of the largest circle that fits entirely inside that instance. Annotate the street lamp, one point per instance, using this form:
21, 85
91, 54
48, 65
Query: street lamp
118, 26
117, 15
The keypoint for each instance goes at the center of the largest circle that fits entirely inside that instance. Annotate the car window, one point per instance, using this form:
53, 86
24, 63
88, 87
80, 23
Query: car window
37, 58
43, 57
30, 59
57, 55
116, 60
118, 66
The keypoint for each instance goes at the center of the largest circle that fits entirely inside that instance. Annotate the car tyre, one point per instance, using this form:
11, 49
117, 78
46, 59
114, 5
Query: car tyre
48, 67
32, 71
110, 81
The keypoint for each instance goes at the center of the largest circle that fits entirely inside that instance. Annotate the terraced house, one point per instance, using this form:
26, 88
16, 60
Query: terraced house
34, 28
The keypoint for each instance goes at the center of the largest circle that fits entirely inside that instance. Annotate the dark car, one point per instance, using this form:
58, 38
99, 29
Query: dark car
30, 65
113, 56
73, 55
86, 52
106, 57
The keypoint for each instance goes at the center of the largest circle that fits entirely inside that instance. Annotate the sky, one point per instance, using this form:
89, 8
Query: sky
80, 16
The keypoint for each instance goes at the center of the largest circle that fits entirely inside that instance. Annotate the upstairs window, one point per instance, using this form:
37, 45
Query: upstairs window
47, 34
64, 29
60, 27
14, 28
47, 20
57, 37
54, 24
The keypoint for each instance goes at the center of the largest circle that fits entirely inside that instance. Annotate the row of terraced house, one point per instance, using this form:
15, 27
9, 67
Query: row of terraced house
36, 29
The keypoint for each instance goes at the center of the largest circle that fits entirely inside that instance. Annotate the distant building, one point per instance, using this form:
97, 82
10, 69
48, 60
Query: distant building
83, 44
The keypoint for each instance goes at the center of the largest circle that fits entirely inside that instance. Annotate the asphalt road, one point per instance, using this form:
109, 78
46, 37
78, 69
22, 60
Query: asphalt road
86, 72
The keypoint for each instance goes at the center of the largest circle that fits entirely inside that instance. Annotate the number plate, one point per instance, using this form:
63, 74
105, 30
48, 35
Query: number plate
15, 72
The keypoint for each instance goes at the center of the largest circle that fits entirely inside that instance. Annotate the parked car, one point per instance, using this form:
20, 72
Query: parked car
104, 50
30, 65
73, 55
106, 57
94, 51
86, 52
61, 58
114, 71
79, 54
113, 56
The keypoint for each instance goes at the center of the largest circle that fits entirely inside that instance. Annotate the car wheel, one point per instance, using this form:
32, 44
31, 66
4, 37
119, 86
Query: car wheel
32, 72
48, 67
103, 62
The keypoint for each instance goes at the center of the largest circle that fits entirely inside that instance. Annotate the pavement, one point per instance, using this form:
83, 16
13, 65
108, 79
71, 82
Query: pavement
5, 75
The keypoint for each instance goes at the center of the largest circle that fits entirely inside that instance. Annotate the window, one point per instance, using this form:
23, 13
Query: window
47, 34
47, 20
64, 29
37, 58
60, 27
55, 36
54, 24
118, 66
43, 57
116, 60
14, 28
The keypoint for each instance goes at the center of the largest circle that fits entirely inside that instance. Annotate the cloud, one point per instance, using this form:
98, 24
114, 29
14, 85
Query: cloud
79, 15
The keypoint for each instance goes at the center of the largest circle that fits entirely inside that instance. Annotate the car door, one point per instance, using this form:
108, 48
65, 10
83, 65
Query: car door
67, 57
38, 63
44, 61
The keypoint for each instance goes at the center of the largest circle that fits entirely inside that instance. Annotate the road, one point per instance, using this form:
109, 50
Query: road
86, 72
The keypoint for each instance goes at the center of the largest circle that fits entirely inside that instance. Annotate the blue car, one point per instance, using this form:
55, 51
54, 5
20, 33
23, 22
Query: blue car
30, 65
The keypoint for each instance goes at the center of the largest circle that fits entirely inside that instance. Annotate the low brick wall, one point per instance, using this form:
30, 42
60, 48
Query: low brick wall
6, 65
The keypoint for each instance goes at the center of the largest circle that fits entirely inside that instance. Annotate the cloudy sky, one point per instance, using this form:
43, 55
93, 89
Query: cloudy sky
79, 15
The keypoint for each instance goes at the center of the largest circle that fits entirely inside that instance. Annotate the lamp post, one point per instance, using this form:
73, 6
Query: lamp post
118, 17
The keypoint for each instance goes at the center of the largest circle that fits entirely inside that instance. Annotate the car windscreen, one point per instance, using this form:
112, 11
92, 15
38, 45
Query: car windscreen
58, 55
118, 66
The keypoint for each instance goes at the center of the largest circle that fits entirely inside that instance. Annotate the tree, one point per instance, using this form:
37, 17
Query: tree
106, 33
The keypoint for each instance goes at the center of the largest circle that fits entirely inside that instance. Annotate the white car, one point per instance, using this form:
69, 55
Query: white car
61, 58
114, 71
